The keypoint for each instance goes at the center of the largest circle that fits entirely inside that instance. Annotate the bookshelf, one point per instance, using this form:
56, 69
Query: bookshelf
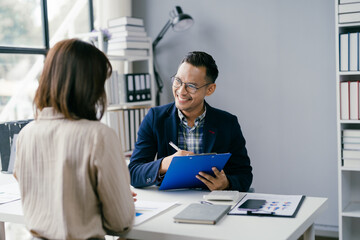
150, 69
125, 117
348, 177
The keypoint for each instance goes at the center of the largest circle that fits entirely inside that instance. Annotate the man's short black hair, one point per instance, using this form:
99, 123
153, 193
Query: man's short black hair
202, 59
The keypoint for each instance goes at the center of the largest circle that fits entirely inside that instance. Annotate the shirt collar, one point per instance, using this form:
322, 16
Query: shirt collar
198, 119
48, 113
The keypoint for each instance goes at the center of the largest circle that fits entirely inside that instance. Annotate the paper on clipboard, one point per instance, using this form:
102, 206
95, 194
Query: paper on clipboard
276, 205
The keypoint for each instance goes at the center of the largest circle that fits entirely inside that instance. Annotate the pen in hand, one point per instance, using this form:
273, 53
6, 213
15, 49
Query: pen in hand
174, 146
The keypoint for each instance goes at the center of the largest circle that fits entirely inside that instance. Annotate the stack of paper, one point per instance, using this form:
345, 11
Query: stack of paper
9, 193
148, 209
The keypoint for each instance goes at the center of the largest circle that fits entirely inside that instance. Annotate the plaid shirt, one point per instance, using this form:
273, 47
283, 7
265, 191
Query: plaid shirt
191, 138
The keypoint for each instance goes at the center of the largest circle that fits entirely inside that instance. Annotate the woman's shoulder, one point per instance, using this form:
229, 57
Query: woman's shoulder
94, 126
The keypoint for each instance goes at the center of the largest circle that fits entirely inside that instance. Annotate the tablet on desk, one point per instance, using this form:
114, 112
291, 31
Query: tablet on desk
183, 170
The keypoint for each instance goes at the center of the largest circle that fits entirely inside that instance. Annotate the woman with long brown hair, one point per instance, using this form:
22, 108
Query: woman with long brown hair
72, 174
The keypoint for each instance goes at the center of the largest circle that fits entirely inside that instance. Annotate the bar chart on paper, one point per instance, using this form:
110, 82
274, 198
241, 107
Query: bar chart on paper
145, 210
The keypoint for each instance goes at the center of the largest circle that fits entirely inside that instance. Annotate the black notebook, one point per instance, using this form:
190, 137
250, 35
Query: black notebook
202, 213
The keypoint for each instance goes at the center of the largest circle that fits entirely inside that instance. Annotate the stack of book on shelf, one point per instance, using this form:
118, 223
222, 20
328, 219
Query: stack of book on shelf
128, 37
115, 89
349, 11
126, 124
349, 51
349, 100
351, 147
125, 88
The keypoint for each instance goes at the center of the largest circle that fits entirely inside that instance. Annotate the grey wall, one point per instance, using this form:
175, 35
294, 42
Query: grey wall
277, 74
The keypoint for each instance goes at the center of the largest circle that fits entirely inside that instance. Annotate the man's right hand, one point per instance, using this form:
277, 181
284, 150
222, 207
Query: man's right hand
165, 163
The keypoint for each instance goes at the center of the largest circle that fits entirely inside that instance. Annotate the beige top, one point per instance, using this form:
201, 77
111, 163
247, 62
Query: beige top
73, 178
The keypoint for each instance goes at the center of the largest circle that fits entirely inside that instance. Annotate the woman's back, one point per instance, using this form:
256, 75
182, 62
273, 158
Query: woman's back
73, 178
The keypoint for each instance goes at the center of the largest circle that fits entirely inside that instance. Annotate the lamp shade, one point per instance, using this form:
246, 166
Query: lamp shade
180, 20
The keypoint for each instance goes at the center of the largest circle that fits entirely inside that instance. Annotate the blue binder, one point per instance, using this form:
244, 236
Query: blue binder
183, 169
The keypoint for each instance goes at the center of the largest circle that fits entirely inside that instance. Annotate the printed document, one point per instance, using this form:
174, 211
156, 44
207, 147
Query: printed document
145, 210
275, 205
9, 193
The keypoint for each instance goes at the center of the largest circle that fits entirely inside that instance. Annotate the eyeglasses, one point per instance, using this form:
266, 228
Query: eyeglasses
189, 87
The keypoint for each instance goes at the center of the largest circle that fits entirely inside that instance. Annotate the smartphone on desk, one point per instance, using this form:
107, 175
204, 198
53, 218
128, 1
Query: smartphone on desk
252, 205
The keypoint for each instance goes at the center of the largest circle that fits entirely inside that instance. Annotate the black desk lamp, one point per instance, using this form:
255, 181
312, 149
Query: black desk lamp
179, 22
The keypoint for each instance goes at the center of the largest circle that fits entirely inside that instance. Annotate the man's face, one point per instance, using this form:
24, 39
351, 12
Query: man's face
191, 103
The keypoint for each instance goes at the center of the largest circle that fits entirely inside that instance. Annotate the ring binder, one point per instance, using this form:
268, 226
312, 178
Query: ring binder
7, 132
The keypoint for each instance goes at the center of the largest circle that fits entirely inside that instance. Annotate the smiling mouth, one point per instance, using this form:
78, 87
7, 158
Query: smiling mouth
182, 99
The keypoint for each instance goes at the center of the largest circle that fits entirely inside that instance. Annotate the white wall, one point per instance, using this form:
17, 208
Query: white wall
109, 9
277, 74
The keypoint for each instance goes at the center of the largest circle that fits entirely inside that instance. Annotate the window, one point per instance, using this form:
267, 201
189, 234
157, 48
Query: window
21, 23
19, 74
67, 18
27, 29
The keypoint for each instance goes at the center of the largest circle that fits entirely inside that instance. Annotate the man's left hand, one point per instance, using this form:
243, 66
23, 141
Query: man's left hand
219, 182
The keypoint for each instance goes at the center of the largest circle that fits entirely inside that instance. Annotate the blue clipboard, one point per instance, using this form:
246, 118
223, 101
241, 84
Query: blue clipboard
183, 169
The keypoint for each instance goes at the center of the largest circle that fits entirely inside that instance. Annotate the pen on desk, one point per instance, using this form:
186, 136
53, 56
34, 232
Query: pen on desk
174, 146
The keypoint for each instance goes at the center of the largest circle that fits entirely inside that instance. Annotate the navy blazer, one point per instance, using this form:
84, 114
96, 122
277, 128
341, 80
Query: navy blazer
222, 134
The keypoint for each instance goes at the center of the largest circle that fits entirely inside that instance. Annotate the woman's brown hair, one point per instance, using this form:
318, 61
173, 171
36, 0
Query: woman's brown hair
72, 81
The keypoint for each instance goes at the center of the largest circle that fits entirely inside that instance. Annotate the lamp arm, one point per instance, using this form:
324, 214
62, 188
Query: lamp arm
159, 84
161, 33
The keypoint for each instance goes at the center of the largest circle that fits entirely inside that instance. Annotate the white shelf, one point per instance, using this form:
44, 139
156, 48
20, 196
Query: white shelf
356, 24
348, 177
126, 129
352, 210
350, 169
129, 58
126, 123
130, 105
350, 121
150, 69
349, 73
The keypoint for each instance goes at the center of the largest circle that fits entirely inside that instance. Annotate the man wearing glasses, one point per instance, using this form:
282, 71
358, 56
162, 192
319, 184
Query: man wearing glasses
195, 127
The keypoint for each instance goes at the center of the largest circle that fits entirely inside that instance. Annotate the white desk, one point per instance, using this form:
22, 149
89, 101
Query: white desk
230, 227
9, 212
